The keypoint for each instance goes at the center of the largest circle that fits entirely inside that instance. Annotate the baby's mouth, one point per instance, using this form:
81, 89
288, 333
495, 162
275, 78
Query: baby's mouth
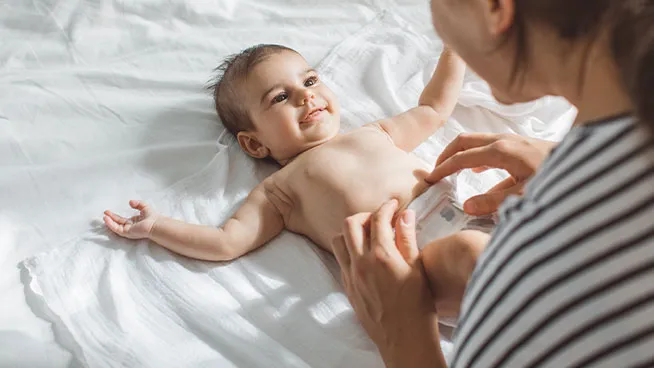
313, 115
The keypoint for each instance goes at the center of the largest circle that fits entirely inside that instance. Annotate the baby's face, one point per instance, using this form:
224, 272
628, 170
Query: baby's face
291, 108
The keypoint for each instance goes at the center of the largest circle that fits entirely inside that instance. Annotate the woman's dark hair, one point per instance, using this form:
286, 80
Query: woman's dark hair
630, 26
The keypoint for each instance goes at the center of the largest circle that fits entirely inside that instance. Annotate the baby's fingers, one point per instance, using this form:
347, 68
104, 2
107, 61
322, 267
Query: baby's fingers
113, 226
138, 205
118, 219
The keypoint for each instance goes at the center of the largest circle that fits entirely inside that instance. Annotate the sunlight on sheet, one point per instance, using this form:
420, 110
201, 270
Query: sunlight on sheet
330, 308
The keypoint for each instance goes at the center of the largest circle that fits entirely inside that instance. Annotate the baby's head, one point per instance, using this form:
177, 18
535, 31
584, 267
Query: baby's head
274, 102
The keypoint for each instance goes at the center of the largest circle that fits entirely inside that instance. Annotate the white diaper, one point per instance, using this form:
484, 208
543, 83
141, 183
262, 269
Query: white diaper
439, 214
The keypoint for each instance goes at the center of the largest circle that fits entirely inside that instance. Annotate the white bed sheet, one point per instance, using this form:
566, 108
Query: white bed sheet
102, 101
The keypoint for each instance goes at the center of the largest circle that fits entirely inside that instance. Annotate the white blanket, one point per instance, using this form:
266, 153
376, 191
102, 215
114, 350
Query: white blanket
101, 101
117, 303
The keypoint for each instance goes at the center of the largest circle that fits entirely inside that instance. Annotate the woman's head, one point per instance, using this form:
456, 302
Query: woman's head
512, 43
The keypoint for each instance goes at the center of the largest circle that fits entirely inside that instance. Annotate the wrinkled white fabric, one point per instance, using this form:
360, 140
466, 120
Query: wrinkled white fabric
103, 100
104, 103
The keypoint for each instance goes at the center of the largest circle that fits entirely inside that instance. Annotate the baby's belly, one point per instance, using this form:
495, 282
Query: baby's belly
323, 213
437, 216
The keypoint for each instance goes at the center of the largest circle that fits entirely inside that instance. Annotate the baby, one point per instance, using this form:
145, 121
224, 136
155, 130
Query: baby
278, 108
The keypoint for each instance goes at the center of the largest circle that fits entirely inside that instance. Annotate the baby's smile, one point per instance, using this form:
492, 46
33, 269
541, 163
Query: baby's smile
314, 115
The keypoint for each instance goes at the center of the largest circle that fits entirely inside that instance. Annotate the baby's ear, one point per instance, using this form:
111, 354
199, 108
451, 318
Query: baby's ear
251, 145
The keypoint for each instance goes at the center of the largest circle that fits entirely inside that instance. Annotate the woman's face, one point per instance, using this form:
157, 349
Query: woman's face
475, 30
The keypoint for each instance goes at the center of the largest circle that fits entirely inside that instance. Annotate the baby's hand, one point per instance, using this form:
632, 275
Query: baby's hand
137, 227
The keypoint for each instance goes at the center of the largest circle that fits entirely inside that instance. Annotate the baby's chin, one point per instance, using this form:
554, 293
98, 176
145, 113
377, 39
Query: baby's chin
321, 132
312, 138
328, 128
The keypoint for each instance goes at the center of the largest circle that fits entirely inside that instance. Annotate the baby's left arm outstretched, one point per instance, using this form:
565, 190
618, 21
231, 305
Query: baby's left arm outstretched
436, 104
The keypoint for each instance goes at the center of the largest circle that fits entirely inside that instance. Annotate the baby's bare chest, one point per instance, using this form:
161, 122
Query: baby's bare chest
355, 174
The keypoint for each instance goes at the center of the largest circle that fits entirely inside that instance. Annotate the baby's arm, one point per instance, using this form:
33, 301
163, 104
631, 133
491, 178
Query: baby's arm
436, 104
254, 224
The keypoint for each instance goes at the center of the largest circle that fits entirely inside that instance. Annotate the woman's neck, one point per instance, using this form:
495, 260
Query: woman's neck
603, 93
600, 91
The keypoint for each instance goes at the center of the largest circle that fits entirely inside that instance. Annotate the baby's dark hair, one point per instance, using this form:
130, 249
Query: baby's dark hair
230, 75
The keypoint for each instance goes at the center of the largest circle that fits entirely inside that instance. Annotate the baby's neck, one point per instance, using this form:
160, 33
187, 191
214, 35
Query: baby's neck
287, 161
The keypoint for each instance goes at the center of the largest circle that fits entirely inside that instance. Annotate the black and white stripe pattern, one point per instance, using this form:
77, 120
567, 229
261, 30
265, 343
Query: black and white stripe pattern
568, 278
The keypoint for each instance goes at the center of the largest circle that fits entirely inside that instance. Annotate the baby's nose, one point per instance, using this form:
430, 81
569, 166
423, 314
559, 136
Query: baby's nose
307, 96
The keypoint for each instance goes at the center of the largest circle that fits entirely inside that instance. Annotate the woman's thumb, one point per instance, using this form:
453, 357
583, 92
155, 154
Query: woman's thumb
405, 236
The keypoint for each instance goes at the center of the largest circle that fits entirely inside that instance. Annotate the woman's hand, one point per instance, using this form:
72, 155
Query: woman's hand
137, 227
520, 156
385, 281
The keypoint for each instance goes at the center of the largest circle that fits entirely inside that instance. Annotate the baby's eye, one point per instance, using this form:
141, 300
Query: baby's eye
311, 81
280, 98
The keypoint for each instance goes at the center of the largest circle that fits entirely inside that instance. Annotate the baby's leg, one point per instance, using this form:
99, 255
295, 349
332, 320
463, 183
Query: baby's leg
449, 263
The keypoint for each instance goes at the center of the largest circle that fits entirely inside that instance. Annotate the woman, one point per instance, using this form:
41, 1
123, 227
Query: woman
567, 278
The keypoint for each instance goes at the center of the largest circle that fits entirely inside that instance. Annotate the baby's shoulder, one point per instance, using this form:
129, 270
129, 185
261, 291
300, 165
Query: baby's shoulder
276, 185
276, 179
373, 129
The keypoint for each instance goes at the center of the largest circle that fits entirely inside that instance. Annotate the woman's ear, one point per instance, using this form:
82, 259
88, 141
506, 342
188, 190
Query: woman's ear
251, 145
500, 15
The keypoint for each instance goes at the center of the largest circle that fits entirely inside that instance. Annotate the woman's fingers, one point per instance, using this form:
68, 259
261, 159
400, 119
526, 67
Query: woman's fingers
489, 202
504, 185
464, 142
469, 159
405, 236
381, 229
355, 234
342, 255
518, 155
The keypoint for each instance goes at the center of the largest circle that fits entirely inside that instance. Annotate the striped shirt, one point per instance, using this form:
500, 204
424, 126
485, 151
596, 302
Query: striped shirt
567, 279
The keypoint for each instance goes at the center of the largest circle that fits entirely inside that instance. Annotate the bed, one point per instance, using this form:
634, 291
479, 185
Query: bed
104, 101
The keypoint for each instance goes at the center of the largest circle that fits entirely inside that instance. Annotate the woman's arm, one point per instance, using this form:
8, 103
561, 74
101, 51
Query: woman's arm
388, 282
385, 281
